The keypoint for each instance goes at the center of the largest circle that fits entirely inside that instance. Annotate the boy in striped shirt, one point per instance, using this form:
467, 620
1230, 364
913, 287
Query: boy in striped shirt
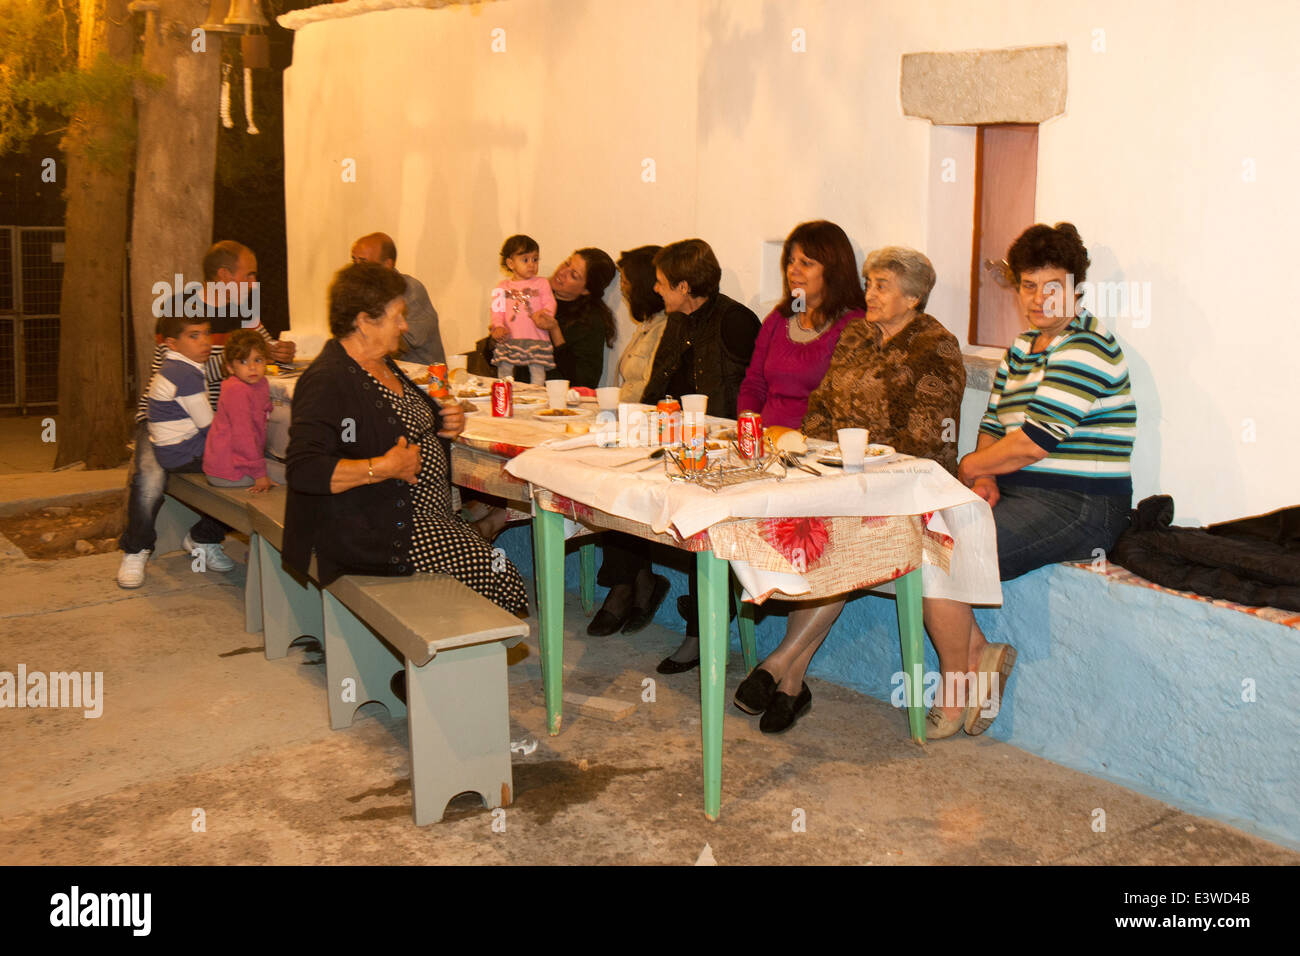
226, 262
179, 417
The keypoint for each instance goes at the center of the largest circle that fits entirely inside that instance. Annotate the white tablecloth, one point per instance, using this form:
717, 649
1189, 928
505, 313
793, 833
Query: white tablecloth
909, 486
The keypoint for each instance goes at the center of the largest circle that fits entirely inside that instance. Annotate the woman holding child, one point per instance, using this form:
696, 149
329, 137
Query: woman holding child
368, 476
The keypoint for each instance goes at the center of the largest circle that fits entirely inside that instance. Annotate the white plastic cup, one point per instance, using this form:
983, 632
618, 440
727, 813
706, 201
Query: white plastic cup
853, 447
696, 404
607, 398
557, 392
457, 361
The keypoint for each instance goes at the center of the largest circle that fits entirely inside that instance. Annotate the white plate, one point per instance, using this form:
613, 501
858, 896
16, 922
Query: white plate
875, 455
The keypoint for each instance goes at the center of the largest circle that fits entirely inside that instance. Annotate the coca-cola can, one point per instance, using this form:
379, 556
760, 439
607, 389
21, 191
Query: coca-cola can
670, 420
749, 435
503, 398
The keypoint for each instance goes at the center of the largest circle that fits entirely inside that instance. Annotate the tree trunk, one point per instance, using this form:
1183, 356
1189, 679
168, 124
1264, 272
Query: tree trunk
92, 424
176, 157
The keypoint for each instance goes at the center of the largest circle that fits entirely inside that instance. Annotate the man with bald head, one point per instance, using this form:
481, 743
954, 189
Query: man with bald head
421, 338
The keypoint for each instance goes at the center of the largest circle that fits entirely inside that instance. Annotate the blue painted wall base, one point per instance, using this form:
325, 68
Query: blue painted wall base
1126, 683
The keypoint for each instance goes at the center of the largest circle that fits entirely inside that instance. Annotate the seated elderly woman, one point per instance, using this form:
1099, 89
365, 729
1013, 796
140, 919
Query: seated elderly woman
899, 374
369, 479
1052, 458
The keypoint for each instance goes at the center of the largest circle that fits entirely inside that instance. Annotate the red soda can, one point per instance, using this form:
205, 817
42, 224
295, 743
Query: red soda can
438, 385
670, 420
749, 435
503, 398
695, 453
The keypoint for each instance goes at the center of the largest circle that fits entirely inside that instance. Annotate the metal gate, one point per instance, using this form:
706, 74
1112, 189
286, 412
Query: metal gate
31, 280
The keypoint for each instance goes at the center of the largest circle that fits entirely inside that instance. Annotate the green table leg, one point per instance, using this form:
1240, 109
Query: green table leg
714, 574
911, 635
745, 621
587, 576
548, 564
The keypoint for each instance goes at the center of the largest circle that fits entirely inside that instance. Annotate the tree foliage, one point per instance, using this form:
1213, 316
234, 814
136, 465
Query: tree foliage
42, 86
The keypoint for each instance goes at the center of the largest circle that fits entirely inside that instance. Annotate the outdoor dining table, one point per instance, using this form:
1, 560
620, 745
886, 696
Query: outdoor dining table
903, 525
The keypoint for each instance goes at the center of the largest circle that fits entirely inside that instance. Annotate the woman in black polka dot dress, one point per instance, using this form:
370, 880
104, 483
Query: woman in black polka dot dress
369, 480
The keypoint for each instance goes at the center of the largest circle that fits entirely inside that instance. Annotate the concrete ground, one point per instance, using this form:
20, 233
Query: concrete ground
26, 478
198, 726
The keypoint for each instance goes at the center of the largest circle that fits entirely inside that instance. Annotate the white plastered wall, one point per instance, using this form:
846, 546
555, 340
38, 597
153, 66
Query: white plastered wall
457, 146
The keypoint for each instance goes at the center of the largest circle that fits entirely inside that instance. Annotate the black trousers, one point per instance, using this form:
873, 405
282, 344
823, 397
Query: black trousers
624, 556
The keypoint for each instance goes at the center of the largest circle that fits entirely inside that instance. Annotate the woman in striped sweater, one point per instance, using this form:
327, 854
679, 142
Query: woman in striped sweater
1052, 458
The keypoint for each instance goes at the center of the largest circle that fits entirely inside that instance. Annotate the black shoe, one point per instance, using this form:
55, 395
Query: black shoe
784, 711
755, 693
398, 686
670, 666
689, 609
640, 617
605, 624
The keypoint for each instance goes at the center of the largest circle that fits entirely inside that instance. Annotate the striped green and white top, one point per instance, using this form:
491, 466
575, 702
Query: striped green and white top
1074, 401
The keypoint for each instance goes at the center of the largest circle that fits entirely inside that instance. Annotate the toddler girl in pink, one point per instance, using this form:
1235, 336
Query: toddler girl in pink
514, 303
235, 454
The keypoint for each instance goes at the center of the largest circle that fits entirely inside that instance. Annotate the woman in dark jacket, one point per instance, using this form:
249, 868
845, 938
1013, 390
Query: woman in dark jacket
369, 481
706, 347
709, 339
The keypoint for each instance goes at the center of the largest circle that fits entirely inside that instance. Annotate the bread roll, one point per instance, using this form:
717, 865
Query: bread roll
785, 439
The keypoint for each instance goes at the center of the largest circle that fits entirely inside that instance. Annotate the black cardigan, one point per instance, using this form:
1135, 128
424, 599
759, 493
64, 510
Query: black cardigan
720, 335
339, 412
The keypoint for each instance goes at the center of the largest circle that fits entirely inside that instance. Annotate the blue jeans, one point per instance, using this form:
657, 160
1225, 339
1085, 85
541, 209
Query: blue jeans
147, 486
1041, 526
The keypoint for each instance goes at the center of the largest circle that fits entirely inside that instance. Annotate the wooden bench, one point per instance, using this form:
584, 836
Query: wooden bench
450, 639
453, 642
188, 496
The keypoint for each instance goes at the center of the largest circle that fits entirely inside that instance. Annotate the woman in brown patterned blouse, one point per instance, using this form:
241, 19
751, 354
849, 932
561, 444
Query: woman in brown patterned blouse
899, 374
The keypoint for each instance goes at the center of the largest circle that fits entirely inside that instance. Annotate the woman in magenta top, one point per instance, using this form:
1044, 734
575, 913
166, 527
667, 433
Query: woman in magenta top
823, 294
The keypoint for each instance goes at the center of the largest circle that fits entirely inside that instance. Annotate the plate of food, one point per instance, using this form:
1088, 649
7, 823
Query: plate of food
470, 391
563, 414
875, 453
530, 400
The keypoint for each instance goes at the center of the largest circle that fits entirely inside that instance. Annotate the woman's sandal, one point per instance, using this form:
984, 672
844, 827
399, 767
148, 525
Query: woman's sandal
937, 726
996, 664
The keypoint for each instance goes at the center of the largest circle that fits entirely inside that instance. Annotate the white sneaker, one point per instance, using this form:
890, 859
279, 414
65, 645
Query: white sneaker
130, 573
214, 558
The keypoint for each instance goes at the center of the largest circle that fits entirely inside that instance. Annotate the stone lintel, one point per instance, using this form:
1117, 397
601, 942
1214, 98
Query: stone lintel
981, 87
297, 19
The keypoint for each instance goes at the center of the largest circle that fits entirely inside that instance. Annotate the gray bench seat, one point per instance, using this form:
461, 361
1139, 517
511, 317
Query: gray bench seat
453, 643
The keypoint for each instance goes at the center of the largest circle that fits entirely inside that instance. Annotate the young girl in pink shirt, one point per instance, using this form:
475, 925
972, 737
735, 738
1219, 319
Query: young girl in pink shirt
514, 303
235, 454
